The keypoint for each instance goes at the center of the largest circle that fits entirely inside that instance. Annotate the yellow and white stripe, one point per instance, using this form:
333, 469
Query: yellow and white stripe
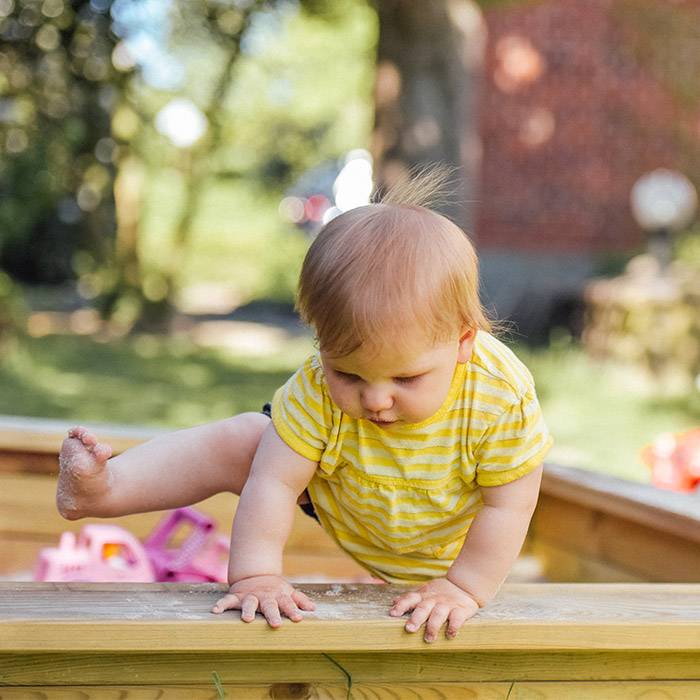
401, 501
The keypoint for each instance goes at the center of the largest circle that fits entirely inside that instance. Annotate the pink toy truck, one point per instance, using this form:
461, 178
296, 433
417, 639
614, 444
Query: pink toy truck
100, 553
202, 556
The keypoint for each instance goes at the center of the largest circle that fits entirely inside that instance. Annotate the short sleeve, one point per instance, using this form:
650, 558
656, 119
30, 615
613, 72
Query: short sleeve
514, 444
301, 411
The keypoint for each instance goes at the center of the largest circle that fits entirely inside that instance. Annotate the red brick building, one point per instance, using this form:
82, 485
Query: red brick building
580, 98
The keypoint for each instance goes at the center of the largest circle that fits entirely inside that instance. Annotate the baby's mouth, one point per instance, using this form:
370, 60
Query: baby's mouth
376, 421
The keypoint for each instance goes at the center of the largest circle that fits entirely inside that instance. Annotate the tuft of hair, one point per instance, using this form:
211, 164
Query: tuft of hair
428, 186
380, 272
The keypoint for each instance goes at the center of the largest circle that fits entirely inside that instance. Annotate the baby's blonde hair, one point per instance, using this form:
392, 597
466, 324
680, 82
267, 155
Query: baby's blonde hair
376, 270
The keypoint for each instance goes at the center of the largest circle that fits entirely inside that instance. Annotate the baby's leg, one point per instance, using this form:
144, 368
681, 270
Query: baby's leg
174, 470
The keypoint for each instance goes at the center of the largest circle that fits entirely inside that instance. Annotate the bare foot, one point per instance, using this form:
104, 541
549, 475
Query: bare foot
84, 475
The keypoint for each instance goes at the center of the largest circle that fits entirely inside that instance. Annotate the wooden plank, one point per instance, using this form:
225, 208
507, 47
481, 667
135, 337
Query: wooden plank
163, 668
19, 554
28, 462
136, 692
668, 690
566, 524
666, 511
653, 555
176, 617
27, 507
623, 545
663, 690
44, 436
281, 691
561, 565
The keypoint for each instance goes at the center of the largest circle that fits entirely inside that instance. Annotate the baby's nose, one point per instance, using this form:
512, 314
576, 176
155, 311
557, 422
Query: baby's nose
376, 400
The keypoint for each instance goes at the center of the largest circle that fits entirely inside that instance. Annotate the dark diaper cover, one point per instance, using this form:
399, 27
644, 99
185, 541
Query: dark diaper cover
308, 508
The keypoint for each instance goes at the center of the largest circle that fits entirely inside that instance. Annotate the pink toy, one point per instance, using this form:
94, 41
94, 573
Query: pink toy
100, 553
202, 556
674, 460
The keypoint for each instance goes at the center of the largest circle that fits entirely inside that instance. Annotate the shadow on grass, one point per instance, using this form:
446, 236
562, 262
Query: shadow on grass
143, 380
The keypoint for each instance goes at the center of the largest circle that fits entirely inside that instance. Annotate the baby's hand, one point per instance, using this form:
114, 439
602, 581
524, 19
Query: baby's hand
271, 595
438, 601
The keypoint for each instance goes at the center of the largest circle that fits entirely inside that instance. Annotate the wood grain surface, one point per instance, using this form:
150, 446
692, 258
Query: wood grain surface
578, 542
663, 510
176, 617
657, 690
445, 665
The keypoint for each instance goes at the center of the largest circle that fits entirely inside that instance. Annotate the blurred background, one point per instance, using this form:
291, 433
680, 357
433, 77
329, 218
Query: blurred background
164, 164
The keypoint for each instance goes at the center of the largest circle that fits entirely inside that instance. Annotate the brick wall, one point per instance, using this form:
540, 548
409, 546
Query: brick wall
580, 98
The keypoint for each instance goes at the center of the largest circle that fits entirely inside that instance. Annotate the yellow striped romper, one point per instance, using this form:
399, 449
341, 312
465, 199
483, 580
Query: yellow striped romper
401, 501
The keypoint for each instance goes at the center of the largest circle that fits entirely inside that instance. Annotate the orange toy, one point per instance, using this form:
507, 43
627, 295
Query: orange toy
674, 460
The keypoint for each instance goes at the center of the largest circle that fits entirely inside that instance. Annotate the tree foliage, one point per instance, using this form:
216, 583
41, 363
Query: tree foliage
79, 142
58, 87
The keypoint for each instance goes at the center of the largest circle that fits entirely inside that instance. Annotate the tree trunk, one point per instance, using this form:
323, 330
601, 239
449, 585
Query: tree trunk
428, 70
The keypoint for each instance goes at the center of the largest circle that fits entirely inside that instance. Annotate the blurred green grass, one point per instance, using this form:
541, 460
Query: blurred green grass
147, 379
600, 415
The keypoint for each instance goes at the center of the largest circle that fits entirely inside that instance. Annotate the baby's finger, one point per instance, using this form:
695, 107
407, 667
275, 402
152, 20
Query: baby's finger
248, 607
289, 608
271, 611
229, 602
303, 601
404, 603
436, 620
457, 617
420, 615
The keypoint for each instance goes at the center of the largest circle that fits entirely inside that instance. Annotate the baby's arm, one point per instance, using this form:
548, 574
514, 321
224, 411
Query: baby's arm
492, 545
496, 537
261, 528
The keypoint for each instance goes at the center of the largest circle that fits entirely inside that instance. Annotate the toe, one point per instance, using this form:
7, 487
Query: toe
83, 434
71, 448
76, 458
102, 451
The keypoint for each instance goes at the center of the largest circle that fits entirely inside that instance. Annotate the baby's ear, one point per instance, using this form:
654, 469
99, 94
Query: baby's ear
466, 344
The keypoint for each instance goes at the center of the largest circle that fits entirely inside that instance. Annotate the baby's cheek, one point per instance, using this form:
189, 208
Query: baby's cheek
426, 403
344, 399
417, 409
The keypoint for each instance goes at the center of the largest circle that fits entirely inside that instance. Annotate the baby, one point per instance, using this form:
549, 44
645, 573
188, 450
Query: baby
413, 435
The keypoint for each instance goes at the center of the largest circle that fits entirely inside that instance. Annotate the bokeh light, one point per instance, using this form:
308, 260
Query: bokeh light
663, 199
182, 122
353, 186
292, 209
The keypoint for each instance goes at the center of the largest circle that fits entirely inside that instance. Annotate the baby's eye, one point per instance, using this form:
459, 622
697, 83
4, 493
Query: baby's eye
407, 380
347, 377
